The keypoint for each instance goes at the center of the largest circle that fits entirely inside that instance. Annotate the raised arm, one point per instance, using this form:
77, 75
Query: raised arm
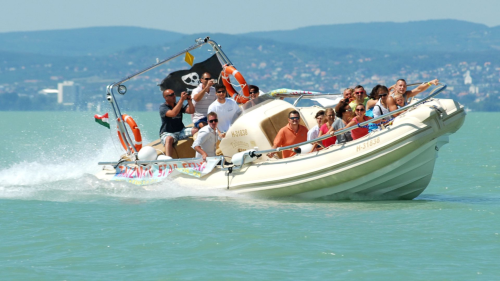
190, 108
421, 88
391, 104
198, 96
177, 108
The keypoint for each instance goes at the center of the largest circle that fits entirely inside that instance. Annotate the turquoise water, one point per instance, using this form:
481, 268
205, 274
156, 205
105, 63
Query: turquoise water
58, 222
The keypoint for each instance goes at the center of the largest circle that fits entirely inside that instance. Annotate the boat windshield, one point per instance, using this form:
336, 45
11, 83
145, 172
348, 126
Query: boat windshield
255, 103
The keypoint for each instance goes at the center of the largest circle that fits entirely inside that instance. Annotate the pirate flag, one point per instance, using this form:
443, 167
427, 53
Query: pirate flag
187, 80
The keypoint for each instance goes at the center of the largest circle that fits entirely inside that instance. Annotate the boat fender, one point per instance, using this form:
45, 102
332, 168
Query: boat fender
303, 149
147, 153
163, 157
244, 157
135, 130
231, 70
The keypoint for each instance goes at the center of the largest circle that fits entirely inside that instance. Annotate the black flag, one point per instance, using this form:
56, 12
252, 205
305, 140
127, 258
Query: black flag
187, 80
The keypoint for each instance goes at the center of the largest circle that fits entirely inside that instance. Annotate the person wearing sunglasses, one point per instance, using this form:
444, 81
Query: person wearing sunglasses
227, 110
360, 117
206, 142
172, 129
359, 97
290, 134
385, 104
344, 115
203, 96
254, 91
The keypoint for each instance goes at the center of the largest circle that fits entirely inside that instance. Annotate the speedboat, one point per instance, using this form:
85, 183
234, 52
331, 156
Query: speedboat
395, 161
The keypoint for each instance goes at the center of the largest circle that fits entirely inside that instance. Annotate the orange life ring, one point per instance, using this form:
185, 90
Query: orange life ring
135, 130
231, 70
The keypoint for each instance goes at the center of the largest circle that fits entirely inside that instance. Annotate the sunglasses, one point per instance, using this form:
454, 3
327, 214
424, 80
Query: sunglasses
221, 91
207, 79
170, 95
294, 118
213, 121
382, 95
253, 93
348, 109
360, 109
359, 93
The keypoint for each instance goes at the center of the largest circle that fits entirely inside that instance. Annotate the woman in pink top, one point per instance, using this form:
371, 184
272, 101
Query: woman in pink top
359, 118
329, 118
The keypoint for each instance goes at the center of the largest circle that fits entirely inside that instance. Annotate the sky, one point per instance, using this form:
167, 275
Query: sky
234, 16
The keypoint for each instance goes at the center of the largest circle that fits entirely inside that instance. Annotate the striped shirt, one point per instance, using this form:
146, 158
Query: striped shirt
201, 107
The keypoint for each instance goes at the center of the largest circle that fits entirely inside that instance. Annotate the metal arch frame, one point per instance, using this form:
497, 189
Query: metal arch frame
110, 95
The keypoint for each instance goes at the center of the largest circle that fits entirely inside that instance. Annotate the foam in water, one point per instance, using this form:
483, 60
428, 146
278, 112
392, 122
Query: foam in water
67, 174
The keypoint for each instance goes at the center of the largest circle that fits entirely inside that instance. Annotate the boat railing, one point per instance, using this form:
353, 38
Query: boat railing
435, 92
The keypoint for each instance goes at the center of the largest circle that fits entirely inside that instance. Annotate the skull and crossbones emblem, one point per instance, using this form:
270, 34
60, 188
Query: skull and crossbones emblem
192, 79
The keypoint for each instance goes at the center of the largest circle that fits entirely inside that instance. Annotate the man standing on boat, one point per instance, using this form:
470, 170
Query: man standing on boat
400, 88
290, 134
203, 97
172, 129
206, 142
227, 110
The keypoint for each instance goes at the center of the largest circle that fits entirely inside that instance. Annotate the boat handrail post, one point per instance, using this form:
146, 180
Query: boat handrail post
223, 59
435, 92
118, 117
297, 100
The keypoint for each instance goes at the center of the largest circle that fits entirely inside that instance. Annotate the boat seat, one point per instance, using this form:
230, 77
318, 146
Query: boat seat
183, 148
271, 125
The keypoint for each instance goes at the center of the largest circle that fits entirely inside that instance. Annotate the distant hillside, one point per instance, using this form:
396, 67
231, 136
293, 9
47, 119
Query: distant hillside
268, 62
421, 36
84, 41
249, 55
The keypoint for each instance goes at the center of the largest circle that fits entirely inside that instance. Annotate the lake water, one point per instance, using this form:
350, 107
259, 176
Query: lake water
59, 222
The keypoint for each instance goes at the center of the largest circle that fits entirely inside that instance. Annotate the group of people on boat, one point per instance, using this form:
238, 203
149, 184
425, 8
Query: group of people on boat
212, 115
356, 107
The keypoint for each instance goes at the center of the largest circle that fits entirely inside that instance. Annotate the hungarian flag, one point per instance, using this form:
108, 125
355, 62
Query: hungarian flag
102, 119
187, 80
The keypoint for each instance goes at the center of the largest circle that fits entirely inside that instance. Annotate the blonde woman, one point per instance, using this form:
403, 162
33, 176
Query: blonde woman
327, 125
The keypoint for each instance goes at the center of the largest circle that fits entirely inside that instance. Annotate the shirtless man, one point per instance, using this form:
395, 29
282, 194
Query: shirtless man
400, 88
